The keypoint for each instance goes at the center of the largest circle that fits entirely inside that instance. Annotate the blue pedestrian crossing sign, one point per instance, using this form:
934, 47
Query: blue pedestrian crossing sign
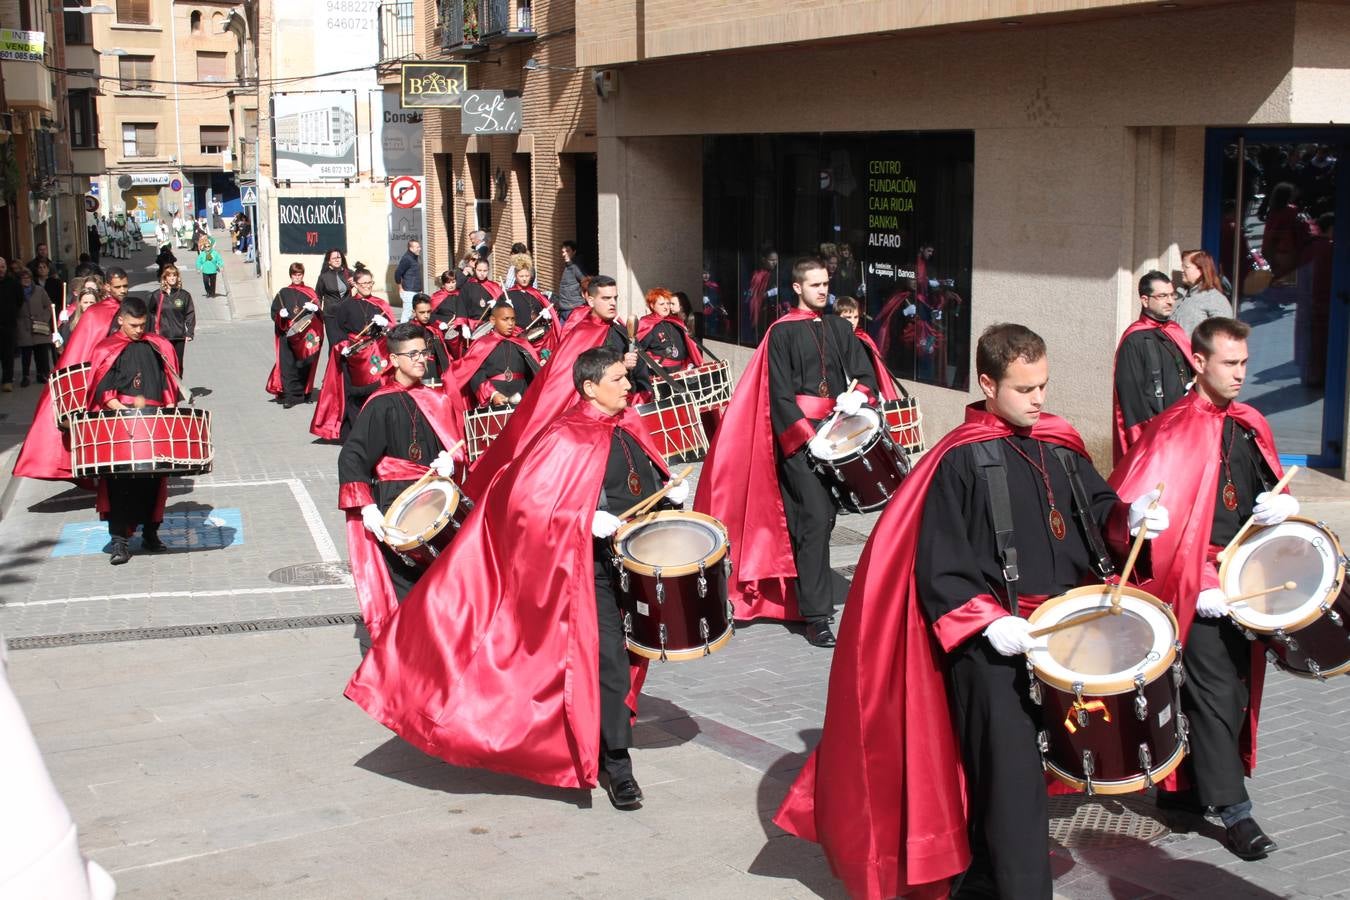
250, 197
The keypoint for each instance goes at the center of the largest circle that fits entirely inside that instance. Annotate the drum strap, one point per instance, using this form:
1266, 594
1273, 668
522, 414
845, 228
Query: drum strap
1155, 374
989, 457
1083, 511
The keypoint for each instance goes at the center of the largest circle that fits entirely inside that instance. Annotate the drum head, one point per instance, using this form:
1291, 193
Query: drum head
1295, 550
416, 515
844, 432
671, 543
1106, 653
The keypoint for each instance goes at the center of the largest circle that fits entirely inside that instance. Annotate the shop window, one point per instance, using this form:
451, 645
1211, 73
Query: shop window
134, 73
211, 66
138, 139
890, 214
133, 12
214, 138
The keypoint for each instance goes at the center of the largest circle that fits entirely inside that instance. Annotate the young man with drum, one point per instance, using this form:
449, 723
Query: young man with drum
759, 477
355, 362
404, 429
1153, 363
480, 630
500, 365
292, 377
131, 369
929, 682
1218, 459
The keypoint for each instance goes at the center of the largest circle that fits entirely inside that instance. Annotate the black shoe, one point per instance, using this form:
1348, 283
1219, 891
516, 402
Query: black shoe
820, 634
151, 543
288, 404
623, 792
121, 554
25, 382
1248, 841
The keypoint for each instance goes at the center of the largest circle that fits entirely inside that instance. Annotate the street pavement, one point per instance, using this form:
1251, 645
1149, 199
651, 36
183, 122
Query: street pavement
229, 765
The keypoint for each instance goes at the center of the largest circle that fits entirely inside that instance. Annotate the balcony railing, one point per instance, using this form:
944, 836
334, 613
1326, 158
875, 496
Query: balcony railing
468, 24
398, 30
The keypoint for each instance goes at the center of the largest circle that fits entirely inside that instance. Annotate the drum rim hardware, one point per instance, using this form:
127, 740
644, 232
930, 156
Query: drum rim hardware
1091, 785
1315, 612
437, 525
627, 564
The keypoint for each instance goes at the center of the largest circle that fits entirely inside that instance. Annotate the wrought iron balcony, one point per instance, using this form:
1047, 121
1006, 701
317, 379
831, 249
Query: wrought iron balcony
468, 25
398, 30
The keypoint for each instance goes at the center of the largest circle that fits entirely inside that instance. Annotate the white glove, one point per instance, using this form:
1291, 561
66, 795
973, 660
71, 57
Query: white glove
932, 282
604, 524
1155, 521
1272, 509
312, 306
513, 399
58, 340
373, 519
444, 464
937, 315
910, 310
1211, 604
546, 314
1010, 635
820, 448
380, 320
849, 402
346, 351
679, 493
771, 292
443, 326
284, 313
465, 332
65, 315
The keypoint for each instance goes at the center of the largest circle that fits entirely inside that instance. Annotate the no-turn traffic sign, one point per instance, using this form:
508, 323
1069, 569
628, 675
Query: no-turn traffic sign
91, 204
405, 192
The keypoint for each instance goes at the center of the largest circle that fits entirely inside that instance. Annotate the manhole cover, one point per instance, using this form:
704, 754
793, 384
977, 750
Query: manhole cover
1078, 821
311, 573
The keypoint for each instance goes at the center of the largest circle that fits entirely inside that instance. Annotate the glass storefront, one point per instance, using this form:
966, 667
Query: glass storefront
890, 213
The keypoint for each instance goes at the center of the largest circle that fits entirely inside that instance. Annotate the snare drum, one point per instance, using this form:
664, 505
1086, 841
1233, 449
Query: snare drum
1109, 691
367, 361
481, 427
673, 568
69, 385
148, 441
905, 423
305, 336
536, 334
423, 520
676, 427
864, 467
1305, 630
708, 385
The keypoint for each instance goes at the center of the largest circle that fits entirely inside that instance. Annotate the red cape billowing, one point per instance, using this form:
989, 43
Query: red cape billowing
492, 660
691, 348
1180, 448
548, 397
891, 812
274, 385
1125, 437
463, 369
374, 590
885, 380
46, 449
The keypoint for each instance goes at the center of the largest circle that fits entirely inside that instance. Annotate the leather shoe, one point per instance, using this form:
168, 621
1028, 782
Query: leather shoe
151, 543
1248, 841
121, 555
820, 634
624, 792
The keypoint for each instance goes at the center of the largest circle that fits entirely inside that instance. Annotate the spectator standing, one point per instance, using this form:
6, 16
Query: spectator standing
568, 296
44, 276
408, 274
1202, 295
11, 299
171, 314
33, 328
209, 263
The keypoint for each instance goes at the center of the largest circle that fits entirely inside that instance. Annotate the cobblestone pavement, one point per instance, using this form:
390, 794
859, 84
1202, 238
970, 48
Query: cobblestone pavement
234, 762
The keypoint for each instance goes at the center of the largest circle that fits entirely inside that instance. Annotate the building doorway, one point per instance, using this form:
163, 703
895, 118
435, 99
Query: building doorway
587, 185
1272, 200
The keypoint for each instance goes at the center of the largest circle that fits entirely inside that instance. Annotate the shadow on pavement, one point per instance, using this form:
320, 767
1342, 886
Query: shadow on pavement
32, 554
69, 500
1185, 878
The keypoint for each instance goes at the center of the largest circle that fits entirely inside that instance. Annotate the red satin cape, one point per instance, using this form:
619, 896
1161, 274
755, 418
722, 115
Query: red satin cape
492, 660
890, 808
374, 590
463, 369
46, 450
1180, 448
331, 406
274, 385
1124, 437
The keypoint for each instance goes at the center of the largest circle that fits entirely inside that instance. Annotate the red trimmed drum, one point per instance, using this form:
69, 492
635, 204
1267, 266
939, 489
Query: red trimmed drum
305, 335
148, 441
905, 423
481, 427
367, 361
676, 427
69, 386
424, 519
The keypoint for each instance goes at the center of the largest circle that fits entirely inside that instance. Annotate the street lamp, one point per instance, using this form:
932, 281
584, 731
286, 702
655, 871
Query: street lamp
534, 65
116, 51
101, 9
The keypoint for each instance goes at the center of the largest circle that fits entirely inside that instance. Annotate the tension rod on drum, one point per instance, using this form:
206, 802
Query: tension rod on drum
642, 506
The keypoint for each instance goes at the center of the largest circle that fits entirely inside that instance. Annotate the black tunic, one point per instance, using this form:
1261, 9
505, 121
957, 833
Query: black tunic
138, 371
526, 306
1249, 472
665, 342
173, 313
353, 315
291, 300
800, 351
617, 496
1135, 385
438, 359
385, 427
506, 359
617, 339
474, 299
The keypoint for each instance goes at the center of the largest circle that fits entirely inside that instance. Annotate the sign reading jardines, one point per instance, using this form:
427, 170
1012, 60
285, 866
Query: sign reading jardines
433, 84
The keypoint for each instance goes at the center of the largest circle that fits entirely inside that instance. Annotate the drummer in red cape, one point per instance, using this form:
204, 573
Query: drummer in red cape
46, 450
662, 333
438, 353
928, 767
758, 478
500, 365
532, 307
1153, 363
352, 375
484, 628
404, 429
1218, 459
292, 378
552, 393
131, 369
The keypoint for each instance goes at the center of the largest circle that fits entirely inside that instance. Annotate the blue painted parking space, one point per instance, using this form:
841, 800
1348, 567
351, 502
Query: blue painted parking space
196, 529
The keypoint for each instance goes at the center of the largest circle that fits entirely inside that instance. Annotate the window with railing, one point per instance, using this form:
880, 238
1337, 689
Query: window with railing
138, 139
214, 138
469, 23
397, 23
134, 73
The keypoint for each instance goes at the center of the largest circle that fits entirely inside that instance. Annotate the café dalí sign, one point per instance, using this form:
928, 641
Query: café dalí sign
490, 112
25, 45
429, 85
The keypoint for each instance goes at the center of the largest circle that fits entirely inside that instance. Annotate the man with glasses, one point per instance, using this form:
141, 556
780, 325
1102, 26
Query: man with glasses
354, 364
404, 429
1153, 363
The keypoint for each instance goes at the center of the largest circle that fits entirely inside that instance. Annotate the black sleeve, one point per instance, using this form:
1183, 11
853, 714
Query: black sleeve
783, 409
365, 446
1134, 383
491, 366
947, 567
857, 362
189, 315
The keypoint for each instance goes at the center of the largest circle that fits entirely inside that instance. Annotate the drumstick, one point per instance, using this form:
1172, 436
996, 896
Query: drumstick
1069, 623
1128, 568
1250, 595
642, 506
848, 437
632, 334
1251, 520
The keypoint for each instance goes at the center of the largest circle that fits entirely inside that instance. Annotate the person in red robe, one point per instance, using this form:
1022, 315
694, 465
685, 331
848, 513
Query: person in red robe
131, 369
552, 392
664, 337
523, 669
355, 366
1153, 363
500, 365
928, 756
404, 429
46, 450
1218, 460
292, 376
479, 293
759, 479
439, 359
850, 310
534, 312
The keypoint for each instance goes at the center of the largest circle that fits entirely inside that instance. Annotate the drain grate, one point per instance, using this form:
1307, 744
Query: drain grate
842, 535
311, 574
1079, 821
180, 631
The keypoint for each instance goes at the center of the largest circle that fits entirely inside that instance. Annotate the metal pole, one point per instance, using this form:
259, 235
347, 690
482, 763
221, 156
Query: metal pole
1240, 216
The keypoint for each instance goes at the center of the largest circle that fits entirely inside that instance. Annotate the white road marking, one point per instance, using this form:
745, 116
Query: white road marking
346, 585
308, 510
